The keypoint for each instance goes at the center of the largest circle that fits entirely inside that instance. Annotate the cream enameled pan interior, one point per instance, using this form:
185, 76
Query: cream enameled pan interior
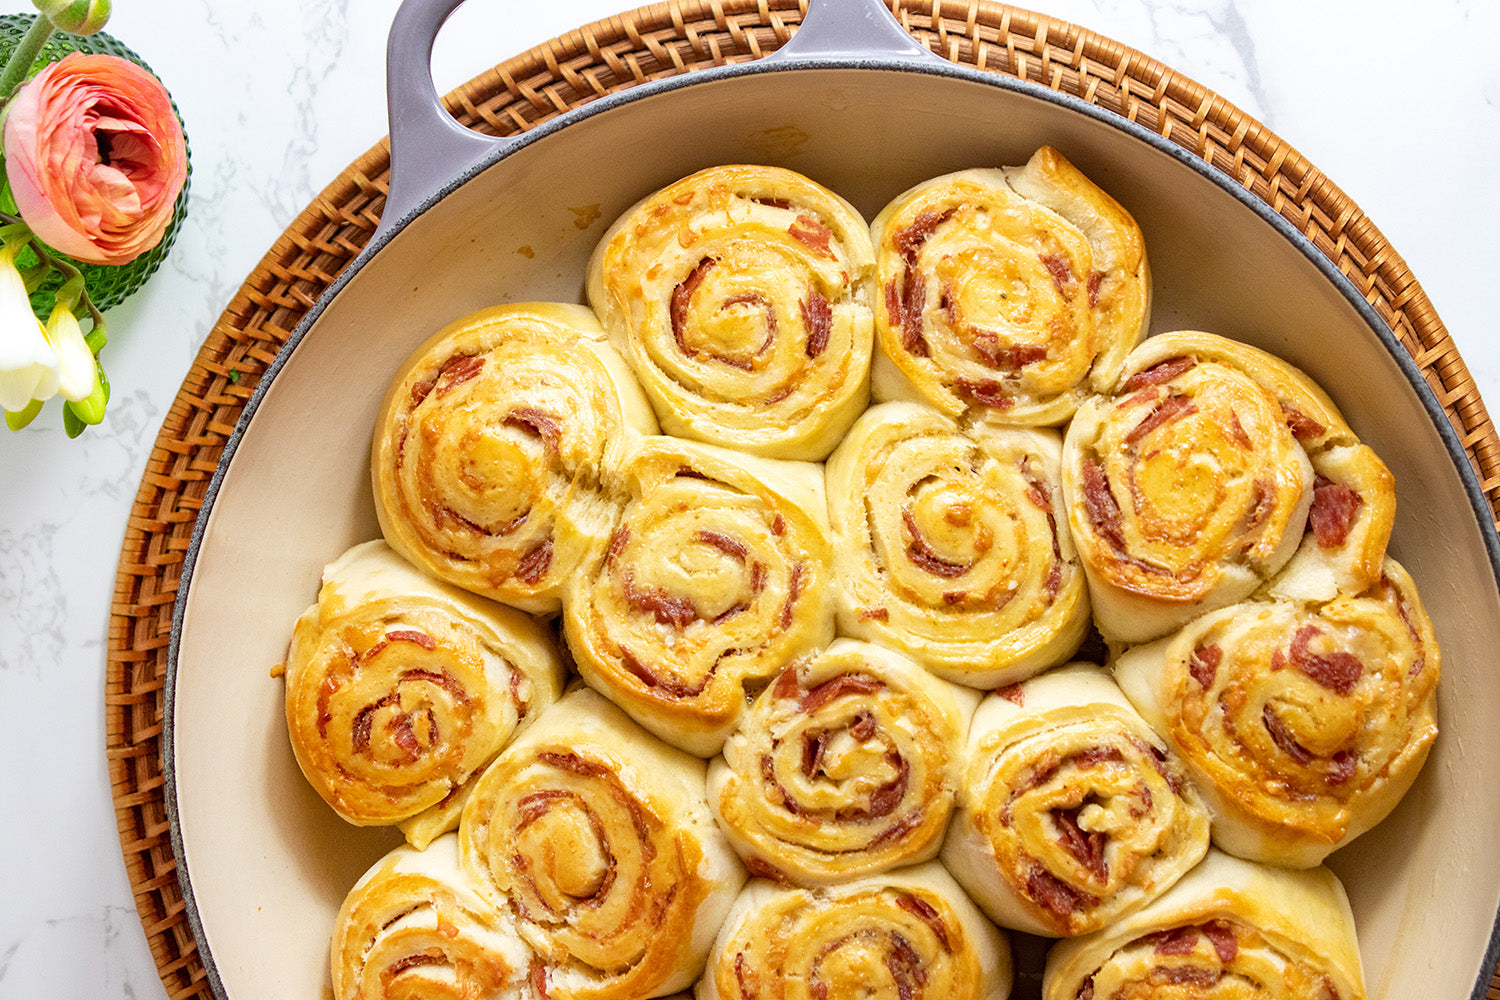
268, 864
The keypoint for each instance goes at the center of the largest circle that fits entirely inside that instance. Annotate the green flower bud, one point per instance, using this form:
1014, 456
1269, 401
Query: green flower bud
76, 17
17, 419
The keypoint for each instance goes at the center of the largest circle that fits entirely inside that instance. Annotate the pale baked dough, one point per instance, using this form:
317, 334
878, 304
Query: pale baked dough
412, 926
1009, 293
741, 297
909, 934
1303, 724
598, 838
1189, 487
495, 457
1230, 927
399, 688
951, 544
717, 577
1072, 813
846, 765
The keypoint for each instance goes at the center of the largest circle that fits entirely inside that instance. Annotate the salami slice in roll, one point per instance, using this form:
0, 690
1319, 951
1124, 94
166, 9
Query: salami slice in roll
1230, 928
1200, 478
741, 296
495, 455
910, 934
953, 546
1009, 293
599, 839
847, 765
413, 927
399, 688
716, 578
1304, 724
1072, 812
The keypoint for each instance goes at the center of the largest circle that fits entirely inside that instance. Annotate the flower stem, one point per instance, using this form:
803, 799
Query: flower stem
24, 54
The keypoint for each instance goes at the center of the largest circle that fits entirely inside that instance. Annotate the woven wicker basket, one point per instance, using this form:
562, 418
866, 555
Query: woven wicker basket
658, 41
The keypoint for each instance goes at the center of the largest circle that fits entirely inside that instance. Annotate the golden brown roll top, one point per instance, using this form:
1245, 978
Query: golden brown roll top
846, 765
910, 934
599, 839
1196, 483
1072, 812
399, 688
1304, 724
1011, 293
741, 297
952, 544
1230, 928
413, 929
717, 576
494, 453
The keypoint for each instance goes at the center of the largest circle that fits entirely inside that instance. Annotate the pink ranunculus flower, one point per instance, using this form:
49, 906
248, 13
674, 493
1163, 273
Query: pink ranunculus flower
95, 157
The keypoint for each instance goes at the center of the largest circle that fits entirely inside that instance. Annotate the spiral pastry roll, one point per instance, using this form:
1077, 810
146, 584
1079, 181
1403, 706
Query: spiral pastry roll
413, 929
495, 452
1303, 724
953, 545
717, 577
1011, 292
1072, 813
1215, 467
599, 838
399, 688
741, 297
1185, 492
910, 934
1230, 928
847, 765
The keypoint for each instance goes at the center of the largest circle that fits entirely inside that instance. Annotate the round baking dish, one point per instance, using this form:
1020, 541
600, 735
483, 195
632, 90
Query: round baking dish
853, 102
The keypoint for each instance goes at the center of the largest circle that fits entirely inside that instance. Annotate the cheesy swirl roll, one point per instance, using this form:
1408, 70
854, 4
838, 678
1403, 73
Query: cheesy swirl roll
952, 544
1072, 812
847, 765
494, 454
1212, 469
413, 929
399, 688
716, 578
1303, 724
741, 297
599, 839
910, 934
1011, 293
1230, 928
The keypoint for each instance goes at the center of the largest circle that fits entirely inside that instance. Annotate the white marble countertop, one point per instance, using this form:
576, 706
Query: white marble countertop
280, 95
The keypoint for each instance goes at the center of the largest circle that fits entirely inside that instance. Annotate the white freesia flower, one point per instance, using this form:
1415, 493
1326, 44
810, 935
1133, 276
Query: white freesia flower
75, 362
28, 364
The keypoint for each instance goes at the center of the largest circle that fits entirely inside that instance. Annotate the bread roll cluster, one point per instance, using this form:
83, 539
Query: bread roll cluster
828, 603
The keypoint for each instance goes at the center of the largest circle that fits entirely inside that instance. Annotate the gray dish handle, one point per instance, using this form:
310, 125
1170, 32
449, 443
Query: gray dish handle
430, 149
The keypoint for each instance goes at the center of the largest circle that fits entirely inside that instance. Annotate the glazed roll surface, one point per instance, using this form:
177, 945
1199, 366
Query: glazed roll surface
952, 545
847, 765
599, 839
400, 688
1071, 812
741, 296
413, 929
495, 452
716, 577
1010, 293
1304, 724
1214, 469
911, 934
1230, 928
